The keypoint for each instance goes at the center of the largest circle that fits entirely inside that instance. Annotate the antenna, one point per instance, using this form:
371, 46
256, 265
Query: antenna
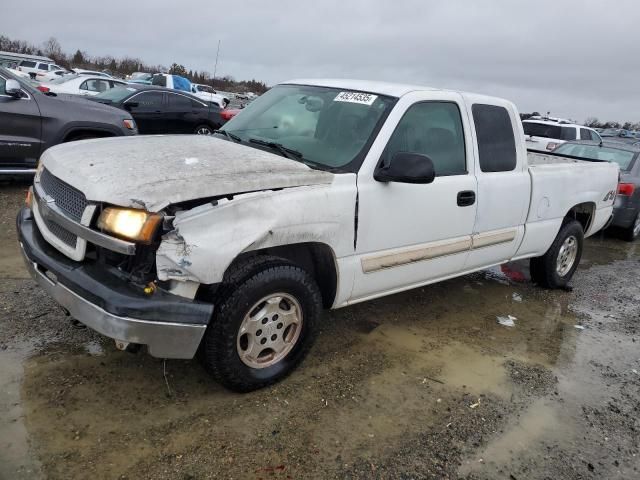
216, 66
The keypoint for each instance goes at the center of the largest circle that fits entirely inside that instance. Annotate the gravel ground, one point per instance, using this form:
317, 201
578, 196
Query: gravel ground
423, 384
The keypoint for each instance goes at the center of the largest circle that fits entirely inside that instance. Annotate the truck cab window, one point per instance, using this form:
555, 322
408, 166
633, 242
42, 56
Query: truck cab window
433, 129
496, 143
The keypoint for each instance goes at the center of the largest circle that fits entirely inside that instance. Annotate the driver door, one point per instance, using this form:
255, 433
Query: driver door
413, 234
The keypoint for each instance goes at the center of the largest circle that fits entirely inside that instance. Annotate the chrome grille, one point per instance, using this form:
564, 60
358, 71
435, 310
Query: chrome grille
68, 199
62, 233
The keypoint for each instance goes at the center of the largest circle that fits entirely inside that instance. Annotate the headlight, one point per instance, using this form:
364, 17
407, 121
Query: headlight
132, 224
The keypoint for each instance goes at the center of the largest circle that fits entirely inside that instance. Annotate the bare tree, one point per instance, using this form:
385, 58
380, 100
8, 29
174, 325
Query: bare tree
53, 49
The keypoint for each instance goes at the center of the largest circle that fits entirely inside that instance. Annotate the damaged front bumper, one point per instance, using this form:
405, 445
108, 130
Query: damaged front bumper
169, 325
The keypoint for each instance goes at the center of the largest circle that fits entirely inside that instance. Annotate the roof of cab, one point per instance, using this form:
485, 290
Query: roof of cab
381, 88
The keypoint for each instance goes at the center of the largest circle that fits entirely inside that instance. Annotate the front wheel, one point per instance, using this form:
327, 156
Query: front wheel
263, 325
556, 267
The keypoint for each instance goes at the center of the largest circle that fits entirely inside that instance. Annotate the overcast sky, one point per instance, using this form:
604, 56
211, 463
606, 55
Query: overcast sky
575, 58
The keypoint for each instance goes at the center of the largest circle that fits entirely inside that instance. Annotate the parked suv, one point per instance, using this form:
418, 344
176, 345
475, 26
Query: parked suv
545, 134
34, 68
31, 122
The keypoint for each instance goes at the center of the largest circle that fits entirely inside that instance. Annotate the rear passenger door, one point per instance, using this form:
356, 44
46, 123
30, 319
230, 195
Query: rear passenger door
504, 184
182, 114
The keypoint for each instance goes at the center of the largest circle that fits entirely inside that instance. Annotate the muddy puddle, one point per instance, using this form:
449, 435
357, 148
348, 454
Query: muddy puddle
424, 384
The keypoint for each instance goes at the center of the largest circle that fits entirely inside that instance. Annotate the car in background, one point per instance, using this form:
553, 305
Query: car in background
82, 71
33, 68
52, 75
615, 132
626, 212
31, 122
619, 135
545, 134
80, 85
208, 94
159, 110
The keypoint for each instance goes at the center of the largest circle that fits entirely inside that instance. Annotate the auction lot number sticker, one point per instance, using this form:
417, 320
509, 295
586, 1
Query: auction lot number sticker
356, 97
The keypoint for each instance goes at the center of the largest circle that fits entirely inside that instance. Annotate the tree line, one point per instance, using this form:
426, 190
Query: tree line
125, 65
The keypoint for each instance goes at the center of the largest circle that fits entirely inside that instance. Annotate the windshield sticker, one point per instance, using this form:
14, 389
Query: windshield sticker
131, 89
356, 97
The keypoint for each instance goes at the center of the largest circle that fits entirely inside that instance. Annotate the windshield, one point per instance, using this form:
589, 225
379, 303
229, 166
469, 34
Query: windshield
326, 126
549, 131
115, 94
595, 152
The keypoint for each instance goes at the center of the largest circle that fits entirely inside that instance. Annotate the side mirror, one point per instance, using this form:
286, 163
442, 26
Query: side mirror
406, 167
12, 88
130, 105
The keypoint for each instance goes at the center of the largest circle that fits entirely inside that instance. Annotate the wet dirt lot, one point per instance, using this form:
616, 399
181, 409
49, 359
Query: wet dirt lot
424, 384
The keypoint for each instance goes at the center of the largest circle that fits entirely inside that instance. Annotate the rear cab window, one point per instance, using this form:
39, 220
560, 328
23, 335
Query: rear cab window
27, 64
496, 140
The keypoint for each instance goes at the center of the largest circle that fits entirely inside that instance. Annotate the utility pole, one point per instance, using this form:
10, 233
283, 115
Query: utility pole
216, 66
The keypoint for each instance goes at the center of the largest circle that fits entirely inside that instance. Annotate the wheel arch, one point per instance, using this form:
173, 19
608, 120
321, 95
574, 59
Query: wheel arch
317, 258
74, 133
584, 213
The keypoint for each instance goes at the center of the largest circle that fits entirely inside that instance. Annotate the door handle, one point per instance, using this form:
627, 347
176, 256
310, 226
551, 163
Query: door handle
466, 198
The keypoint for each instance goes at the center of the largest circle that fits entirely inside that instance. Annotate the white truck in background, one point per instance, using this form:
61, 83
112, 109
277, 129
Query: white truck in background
208, 94
321, 193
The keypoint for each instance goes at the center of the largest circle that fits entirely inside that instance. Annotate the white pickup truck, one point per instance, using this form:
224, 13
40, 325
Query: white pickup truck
321, 193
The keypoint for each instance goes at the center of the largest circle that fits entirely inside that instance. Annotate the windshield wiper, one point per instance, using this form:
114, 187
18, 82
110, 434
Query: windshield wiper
292, 154
233, 137
278, 147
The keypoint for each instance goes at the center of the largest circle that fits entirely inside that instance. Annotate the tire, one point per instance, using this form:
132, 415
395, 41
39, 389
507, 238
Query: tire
203, 130
253, 287
546, 270
633, 232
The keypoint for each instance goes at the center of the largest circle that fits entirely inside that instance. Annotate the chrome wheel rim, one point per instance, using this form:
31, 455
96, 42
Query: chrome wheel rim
269, 330
203, 131
636, 226
567, 255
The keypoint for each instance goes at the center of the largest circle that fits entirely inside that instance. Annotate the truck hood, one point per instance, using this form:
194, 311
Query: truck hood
152, 172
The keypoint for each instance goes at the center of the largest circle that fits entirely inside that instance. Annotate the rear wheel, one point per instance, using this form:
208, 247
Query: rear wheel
263, 325
633, 232
556, 267
204, 130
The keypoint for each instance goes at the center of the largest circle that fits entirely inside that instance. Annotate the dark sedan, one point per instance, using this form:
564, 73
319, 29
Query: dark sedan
162, 110
626, 213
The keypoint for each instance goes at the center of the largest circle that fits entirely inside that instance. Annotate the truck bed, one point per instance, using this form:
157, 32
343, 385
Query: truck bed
560, 181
